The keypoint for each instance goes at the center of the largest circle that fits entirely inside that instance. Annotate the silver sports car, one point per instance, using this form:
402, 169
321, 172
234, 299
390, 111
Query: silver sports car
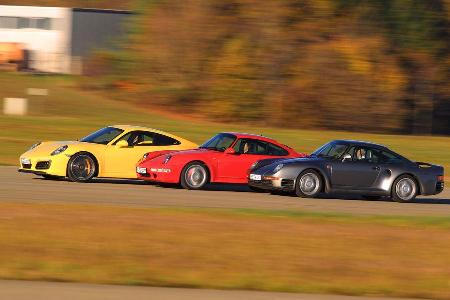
346, 166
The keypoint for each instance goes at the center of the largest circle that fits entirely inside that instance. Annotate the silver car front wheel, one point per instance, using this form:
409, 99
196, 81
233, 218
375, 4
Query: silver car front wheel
309, 184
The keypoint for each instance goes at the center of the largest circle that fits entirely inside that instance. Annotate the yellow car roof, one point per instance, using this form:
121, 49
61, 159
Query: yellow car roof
134, 127
131, 127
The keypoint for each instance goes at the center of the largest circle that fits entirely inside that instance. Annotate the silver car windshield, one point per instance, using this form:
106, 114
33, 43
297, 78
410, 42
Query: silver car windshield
330, 150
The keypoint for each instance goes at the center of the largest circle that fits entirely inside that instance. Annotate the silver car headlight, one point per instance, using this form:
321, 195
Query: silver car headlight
254, 165
166, 160
34, 146
59, 150
278, 168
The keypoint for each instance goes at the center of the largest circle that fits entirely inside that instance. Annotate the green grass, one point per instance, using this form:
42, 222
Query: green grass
227, 249
69, 113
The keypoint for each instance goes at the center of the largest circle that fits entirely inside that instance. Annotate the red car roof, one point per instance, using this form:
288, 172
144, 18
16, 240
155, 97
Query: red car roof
240, 135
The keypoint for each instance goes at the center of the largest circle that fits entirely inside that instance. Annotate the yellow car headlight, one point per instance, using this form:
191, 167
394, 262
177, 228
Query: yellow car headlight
59, 150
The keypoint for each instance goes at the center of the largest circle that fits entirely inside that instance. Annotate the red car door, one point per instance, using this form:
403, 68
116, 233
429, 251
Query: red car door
232, 167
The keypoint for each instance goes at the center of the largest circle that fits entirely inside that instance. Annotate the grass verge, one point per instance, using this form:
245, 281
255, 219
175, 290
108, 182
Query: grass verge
69, 114
227, 249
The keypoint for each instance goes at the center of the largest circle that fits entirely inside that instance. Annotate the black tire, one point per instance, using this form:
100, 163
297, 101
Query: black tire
404, 189
309, 184
81, 167
194, 176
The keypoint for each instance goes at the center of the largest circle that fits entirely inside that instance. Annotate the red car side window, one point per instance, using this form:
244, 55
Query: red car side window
249, 146
257, 147
276, 150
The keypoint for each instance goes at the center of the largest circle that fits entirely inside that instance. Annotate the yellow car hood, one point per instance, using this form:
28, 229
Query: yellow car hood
45, 148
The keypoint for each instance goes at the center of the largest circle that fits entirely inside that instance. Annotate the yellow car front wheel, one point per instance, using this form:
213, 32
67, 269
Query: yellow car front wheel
81, 167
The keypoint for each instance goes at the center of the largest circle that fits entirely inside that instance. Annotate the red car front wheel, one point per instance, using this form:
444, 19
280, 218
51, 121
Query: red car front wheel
194, 176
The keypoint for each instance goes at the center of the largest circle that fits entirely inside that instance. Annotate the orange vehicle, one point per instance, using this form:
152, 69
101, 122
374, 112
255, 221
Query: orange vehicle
11, 52
13, 57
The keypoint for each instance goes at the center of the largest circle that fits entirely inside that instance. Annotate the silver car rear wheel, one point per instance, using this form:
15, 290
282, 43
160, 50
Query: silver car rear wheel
404, 189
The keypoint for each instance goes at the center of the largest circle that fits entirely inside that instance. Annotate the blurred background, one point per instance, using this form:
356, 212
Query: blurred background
359, 65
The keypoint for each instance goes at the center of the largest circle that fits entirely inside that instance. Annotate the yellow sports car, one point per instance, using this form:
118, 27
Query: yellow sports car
112, 151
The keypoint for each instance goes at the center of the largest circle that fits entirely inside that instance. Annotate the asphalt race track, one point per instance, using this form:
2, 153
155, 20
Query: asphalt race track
15, 186
23, 290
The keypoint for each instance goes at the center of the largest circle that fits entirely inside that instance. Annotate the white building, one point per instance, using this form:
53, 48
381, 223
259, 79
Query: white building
57, 39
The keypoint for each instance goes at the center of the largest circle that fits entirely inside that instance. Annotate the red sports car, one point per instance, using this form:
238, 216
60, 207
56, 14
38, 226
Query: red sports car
225, 158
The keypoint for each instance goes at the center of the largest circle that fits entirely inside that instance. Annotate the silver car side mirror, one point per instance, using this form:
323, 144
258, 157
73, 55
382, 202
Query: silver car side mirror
347, 157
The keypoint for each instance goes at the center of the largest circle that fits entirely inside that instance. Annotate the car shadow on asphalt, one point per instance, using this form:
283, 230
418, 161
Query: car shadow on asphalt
245, 189
101, 180
431, 201
228, 187
209, 187
418, 200
242, 188
120, 181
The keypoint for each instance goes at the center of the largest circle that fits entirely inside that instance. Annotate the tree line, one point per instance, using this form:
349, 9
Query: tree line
363, 65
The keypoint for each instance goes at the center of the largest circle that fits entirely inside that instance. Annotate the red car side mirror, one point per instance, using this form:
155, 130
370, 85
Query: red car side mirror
230, 151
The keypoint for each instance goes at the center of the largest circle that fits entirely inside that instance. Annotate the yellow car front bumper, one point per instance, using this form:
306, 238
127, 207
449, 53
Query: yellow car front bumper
44, 165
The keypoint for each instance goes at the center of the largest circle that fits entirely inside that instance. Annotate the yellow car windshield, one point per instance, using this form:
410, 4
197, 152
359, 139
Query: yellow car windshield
102, 136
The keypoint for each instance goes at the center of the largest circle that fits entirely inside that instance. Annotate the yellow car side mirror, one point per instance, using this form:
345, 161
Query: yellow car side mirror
122, 144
